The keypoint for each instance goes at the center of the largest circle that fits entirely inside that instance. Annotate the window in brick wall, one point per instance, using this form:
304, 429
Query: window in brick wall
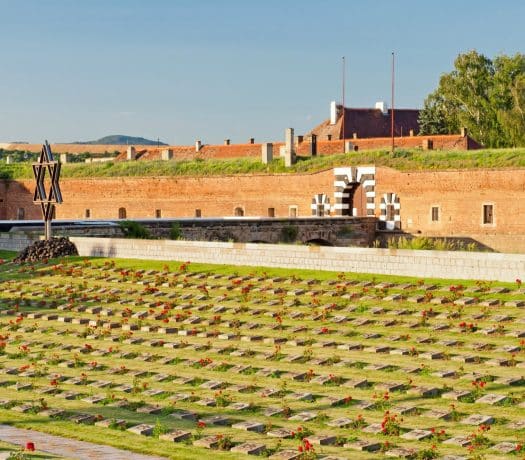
122, 213
198, 213
435, 213
158, 213
238, 212
271, 212
87, 213
488, 214
292, 211
20, 213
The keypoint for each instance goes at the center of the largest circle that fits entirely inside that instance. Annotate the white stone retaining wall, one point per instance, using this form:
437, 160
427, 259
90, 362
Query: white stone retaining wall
15, 241
424, 264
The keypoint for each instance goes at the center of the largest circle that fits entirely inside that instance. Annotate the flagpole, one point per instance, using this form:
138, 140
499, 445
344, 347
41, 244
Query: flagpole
343, 86
392, 109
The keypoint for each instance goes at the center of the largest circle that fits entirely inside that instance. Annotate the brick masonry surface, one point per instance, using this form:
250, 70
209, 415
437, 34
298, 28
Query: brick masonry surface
434, 264
458, 195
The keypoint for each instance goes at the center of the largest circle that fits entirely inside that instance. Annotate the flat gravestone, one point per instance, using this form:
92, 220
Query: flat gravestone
273, 411
239, 406
424, 391
462, 441
281, 433
82, 418
218, 420
406, 410
142, 429
249, 425
491, 398
184, 415
175, 436
287, 454
356, 383
249, 448
304, 416
364, 445
505, 447
95, 399
440, 414
400, 452
207, 402
209, 442
478, 419
322, 440
111, 422
456, 395
364, 405
341, 422
374, 428
300, 396
149, 409
417, 435
517, 425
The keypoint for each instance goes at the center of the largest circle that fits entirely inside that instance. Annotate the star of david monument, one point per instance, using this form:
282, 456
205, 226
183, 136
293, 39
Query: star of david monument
47, 192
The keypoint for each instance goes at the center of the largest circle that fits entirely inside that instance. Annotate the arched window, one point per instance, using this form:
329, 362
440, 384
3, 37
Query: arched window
239, 212
122, 213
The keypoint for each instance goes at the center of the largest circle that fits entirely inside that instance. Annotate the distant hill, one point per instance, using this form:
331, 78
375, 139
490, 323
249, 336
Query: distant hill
118, 139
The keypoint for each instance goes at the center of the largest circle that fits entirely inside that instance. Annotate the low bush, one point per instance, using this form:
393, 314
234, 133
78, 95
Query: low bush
134, 230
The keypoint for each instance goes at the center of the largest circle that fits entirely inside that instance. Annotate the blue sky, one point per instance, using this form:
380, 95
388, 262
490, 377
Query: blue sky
184, 70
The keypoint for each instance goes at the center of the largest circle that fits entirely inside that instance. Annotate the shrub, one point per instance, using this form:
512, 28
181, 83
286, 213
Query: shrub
429, 244
289, 233
134, 230
175, 232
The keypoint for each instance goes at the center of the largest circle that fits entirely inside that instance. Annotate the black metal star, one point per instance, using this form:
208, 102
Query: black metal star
47, 200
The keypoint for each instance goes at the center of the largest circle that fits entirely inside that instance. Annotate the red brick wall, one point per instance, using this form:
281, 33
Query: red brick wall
460, 196
176, 196
324, 147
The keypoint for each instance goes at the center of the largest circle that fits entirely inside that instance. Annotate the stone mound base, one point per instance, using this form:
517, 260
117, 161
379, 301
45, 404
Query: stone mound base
50, 249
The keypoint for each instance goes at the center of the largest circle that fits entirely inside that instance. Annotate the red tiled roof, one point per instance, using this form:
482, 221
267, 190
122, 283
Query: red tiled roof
369, 123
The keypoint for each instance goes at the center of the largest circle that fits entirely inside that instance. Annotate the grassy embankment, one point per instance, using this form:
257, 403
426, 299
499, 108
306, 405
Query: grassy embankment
404, 160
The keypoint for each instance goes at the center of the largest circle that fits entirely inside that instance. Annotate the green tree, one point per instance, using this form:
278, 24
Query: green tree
509, 96
487, 97
438, 116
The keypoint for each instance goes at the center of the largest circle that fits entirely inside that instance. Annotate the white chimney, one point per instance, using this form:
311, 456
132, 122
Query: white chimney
333, 113
383, 106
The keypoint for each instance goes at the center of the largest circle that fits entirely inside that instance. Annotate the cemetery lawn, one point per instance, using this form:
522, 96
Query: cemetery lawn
174, 358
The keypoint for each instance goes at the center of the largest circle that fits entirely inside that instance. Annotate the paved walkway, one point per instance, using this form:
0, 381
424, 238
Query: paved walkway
65, 447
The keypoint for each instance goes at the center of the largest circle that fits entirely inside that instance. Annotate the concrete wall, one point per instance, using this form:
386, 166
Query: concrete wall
15, 242
459, 265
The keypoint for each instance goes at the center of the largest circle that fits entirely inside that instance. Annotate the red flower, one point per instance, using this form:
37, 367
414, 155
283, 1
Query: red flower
30, 446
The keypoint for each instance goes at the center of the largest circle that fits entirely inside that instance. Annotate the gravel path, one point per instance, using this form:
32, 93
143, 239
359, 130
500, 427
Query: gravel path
70, 448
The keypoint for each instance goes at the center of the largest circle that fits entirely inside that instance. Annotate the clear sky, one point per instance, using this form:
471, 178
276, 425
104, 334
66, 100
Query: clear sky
184, 70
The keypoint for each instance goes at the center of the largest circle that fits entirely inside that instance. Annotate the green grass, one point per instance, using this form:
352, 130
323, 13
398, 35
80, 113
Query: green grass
404, 160
14, 450
65, 289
